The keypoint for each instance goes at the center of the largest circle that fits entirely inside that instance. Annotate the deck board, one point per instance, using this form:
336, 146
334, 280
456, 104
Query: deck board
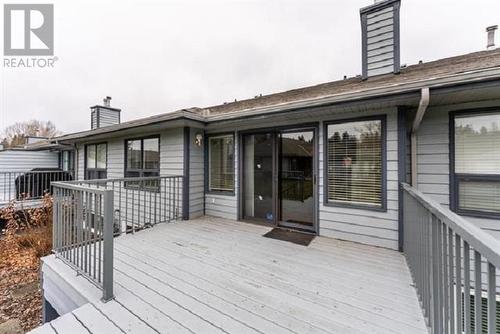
211, 275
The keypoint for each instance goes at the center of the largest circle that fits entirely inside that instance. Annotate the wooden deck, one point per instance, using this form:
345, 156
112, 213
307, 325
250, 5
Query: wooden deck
218, 276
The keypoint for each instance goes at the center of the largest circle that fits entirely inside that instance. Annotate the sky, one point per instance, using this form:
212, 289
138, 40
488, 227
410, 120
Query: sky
154, 57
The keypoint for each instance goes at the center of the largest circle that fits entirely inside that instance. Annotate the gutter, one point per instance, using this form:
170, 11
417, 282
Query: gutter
395, 89
422, 108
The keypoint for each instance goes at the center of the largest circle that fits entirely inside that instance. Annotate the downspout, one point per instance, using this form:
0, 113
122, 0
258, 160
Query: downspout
422, 108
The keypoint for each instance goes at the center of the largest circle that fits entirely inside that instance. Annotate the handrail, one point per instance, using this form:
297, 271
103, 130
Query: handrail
83, 232
89, 213
482, 241
453, 264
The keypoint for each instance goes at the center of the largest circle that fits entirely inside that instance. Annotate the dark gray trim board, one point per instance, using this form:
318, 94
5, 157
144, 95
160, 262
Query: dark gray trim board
383, 207
455, 177
397, 45
186, 167
402, 142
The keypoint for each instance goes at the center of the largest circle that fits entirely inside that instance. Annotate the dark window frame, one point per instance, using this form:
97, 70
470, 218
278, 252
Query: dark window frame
98, 170
141, 171
455, 178
207, 164
326, 202
71, 160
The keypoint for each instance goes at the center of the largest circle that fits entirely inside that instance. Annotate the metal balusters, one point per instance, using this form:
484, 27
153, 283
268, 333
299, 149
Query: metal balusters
467, 310
438, 245
478, 312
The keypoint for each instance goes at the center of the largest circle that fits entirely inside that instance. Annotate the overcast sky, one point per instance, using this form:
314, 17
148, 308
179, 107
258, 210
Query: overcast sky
156, 57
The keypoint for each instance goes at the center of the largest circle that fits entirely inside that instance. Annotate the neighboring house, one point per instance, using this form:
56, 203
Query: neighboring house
38, 154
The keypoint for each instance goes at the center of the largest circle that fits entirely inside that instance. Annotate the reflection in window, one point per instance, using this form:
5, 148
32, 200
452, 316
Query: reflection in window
354, 163
221, 163
143, 160
477, 162
96, 161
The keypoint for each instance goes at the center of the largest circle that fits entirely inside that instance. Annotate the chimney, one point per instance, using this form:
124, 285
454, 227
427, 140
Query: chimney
104, 115
491, 37
380, 38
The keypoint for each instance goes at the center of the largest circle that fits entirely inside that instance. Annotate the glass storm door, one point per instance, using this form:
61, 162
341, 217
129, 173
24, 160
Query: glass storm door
296, 179
258, 176
278, 178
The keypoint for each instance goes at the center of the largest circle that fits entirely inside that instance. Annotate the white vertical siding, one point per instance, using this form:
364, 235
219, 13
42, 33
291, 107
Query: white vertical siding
360, 225
433, 162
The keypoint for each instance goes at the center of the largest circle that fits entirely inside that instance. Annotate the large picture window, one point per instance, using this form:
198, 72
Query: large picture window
354, 163
477, 163
142, 157
96, 161
221, 163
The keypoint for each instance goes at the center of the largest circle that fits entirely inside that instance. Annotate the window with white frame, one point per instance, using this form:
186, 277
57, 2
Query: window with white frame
477, 163
221, 163
354, 163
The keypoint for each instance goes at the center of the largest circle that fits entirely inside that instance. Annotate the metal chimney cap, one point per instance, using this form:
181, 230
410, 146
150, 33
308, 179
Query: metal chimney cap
107, 101
492, 28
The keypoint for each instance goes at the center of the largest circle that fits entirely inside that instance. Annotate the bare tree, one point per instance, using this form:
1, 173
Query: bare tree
17, 133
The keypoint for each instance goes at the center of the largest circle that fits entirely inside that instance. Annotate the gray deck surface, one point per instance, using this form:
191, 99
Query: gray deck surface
211, 275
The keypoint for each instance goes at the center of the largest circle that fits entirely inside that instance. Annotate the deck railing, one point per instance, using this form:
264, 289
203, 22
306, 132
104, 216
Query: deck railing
29, 185
141, 202
88, 214
83, 232
453, 264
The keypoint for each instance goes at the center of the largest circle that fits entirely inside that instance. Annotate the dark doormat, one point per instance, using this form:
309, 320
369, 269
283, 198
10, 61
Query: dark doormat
298, 238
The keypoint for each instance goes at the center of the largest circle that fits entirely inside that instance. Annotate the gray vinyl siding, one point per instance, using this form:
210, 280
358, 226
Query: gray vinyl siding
362, 225
358, 225
196, 175
108, 117
171, 163
225, 206
101, 117
433, 160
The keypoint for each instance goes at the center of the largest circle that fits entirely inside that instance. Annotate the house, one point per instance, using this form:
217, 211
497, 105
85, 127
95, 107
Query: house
378, 159
39, 156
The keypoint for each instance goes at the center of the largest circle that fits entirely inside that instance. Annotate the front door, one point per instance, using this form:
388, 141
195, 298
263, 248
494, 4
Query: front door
278, 178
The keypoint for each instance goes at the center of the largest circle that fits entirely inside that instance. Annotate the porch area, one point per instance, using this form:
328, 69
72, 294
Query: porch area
211, 275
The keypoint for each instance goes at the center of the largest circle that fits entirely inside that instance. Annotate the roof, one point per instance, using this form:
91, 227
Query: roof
418, 75
442, 67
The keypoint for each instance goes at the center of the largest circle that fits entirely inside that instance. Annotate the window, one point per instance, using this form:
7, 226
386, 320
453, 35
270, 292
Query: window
354, 163
142, 159
96, 161
221, 163
477, 164
68, 161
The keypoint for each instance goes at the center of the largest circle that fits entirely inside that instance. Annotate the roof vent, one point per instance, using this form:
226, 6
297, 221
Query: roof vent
491, 37
380, 38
